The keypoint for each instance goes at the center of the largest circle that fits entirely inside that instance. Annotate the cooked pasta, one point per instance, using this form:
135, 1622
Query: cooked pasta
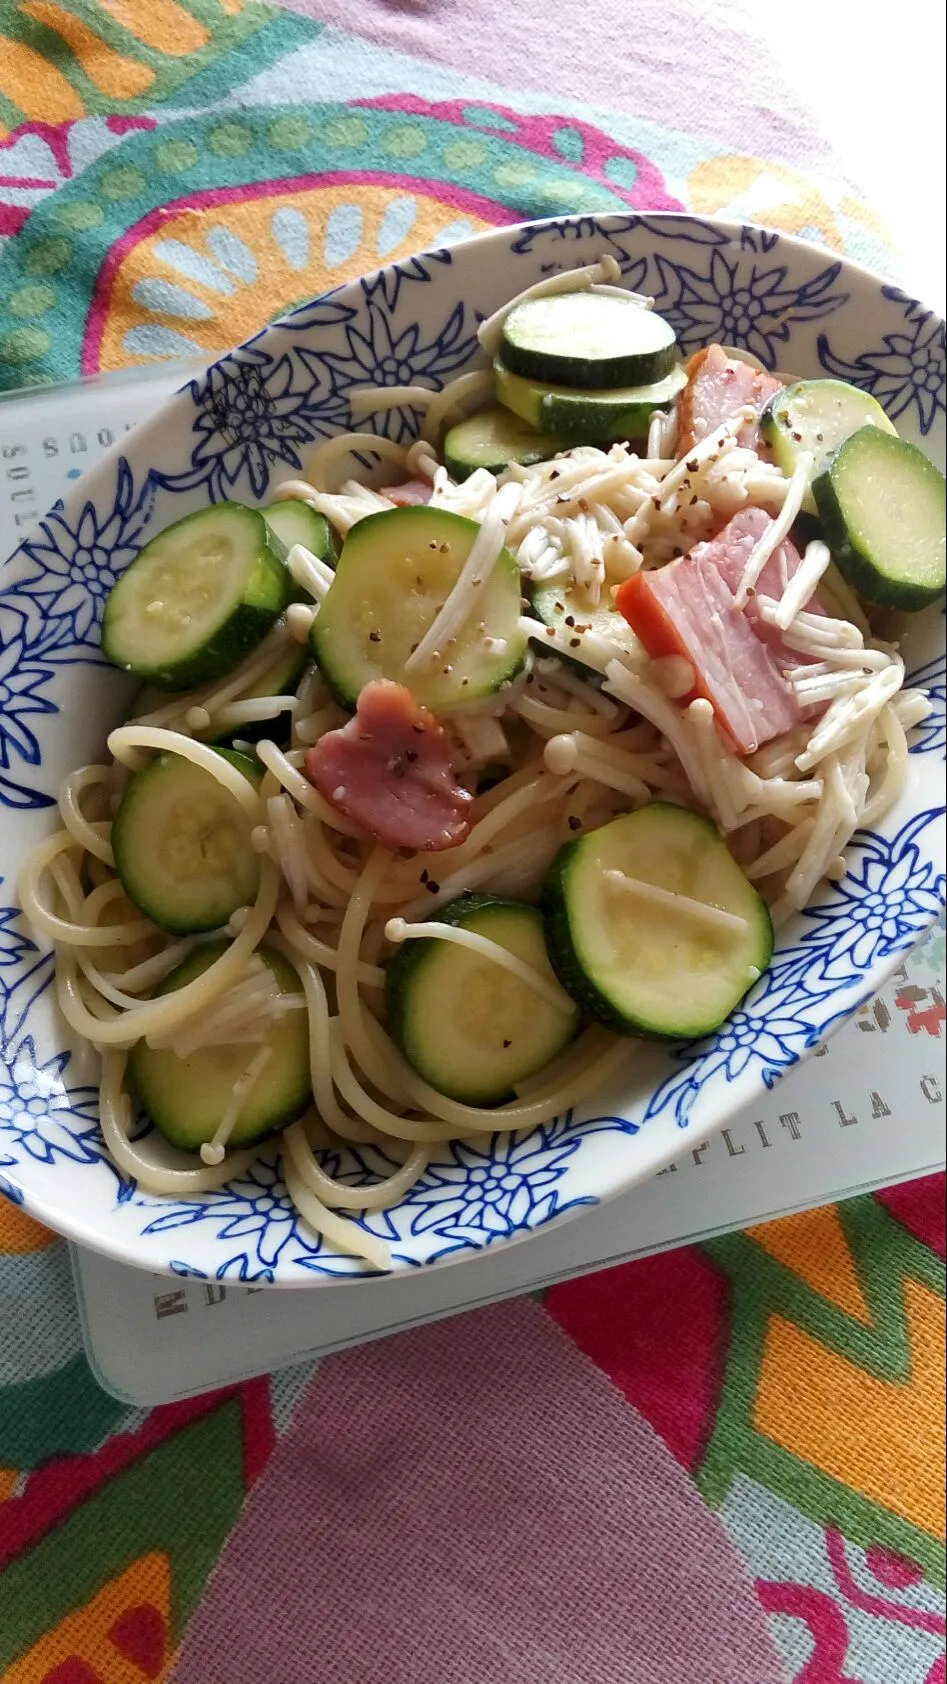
591, 727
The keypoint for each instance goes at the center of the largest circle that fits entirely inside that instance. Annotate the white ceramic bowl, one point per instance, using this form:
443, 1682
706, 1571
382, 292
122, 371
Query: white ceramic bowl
236, 432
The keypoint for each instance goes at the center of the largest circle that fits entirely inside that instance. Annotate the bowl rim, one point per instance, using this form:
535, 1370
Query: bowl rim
120, 1247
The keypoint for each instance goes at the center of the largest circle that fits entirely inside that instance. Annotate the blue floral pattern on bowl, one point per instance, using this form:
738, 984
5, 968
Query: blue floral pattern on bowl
746, 298
891, 892
906, 371
73, 561
41, 1116
931, 735
236, 431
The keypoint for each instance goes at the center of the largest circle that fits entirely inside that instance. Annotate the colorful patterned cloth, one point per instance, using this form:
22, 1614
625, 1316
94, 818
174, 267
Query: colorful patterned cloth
723, 1466
174, 172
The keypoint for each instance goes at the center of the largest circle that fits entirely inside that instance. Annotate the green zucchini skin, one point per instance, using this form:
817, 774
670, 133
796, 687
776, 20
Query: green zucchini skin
281, 679
469, 1027
493, 439
588, 339
812, 418
182, 844
586, 416
296, 522
558, 607
815, 417
197, 598
629, 967
185, 1097
396, 570
882, 507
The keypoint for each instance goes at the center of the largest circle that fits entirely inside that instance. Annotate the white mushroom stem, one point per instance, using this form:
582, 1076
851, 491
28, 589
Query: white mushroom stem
398, 930
713, 916
212, 1151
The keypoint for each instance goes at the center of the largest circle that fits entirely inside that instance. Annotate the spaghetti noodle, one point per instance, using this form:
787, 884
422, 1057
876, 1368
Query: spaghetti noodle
333, 902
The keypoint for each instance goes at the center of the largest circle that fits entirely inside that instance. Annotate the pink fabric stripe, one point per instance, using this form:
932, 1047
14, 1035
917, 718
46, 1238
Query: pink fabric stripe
54, 135
537, 134
459, 198
681, 1303
473, 1503
919, 1207
698, 70
919, 1619
827, 1628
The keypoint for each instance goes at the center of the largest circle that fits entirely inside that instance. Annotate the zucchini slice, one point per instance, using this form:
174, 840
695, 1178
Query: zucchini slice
813, 417
557, 606
182, 843
591, 339
197, 598
493, 440
467, 1025
296, 522
187, 1098
281, 679
652, 926
278, 726
586, 417
396, 570
882, 507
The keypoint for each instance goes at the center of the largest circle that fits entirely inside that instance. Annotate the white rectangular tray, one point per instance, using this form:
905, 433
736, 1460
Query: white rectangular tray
866, 1112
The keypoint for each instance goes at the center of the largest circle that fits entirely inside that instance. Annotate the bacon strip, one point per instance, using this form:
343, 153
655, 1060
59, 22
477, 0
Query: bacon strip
388, 769
717, 387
